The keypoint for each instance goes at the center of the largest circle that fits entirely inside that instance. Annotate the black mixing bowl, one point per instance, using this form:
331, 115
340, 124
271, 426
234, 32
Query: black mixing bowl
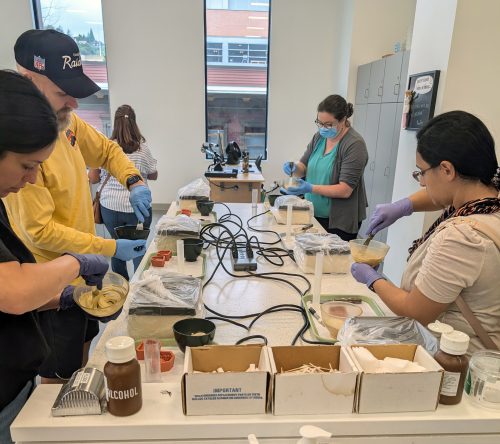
205, 206
192, 248
193, 332
131, 232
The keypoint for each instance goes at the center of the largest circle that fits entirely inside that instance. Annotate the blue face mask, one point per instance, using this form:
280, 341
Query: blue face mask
328, 133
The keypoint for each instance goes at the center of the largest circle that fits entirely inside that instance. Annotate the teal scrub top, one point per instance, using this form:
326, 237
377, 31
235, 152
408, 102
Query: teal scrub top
319, 172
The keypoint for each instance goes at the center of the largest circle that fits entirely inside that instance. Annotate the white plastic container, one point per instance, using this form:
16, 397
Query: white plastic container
337, 257
302, 210
483, 379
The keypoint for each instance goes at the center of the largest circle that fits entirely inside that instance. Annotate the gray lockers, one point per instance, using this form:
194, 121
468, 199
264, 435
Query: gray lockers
378, 110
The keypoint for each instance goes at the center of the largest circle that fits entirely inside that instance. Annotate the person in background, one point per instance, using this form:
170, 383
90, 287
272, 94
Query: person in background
116, 209
26, 286
458, 168
333, 165
54, 215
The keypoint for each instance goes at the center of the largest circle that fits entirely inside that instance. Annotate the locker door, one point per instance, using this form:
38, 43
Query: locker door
404, 76
362, 83
376, 88
359, 119
381, 173
385, 146
370, 136
392, 77
394, 152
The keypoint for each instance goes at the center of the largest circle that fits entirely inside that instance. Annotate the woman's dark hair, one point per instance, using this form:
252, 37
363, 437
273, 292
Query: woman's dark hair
463, 140
125, 130
27, 121
336, 106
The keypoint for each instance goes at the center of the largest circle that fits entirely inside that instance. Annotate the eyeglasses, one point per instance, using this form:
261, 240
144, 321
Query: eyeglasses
417, 175
325, 125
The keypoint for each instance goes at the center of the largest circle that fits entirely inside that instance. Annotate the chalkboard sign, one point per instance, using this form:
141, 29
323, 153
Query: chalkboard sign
424, 88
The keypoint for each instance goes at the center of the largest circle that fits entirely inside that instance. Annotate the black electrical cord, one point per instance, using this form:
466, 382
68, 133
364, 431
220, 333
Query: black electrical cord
234, 187
225, 240
248, 338
218, 318
273, 189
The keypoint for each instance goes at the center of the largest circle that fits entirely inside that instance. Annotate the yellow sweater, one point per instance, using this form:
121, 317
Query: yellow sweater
55, 215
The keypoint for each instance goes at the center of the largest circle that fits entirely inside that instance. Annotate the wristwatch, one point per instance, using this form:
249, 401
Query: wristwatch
133, 179
370, 287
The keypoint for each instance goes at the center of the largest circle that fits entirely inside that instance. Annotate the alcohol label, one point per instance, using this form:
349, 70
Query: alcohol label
450, 383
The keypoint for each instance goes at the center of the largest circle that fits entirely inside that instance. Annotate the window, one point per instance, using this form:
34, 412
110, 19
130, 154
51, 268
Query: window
214, 52
82, 20
236, 60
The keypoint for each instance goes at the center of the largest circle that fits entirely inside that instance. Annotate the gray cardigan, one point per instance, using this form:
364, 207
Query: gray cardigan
349, 166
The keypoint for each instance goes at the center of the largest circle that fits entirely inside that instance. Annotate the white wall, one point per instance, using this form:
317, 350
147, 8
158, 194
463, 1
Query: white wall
376, 26
431, 44
15, 18
474, 65
303, 70
155, 57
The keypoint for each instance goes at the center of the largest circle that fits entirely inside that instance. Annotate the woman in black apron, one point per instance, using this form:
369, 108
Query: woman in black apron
28, 129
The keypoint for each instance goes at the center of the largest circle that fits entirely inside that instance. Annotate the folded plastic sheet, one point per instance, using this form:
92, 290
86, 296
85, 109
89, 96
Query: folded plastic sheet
165, 294
297, 203
386, 330
311, 243
194, 190
176, 225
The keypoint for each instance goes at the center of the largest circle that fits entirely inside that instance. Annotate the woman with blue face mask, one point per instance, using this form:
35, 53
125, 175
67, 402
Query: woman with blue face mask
333, 166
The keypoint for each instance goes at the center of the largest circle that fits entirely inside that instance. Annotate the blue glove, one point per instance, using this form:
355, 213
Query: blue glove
140, 199
289, 168
386, 214
66, 301
303, 188
93, 267
127, 250
365, 274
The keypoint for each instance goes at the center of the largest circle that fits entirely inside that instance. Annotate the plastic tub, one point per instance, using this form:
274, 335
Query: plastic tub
371, 254
483, 379
334, 314
105, 302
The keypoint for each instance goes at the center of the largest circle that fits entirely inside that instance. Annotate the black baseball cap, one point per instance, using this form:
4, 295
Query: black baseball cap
56, 56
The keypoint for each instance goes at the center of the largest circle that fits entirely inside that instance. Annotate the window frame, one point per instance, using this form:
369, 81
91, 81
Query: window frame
267, 66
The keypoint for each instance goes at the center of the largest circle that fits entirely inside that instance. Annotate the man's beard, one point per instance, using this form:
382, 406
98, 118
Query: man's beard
63, 118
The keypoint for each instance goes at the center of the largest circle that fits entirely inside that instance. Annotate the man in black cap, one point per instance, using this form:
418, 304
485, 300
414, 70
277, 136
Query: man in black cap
55, 215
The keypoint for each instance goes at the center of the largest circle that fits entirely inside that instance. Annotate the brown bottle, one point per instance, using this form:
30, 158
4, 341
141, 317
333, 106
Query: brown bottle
452, 357
123, 377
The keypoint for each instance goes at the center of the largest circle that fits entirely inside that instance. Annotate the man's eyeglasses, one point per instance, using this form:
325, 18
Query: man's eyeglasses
417, 175
325, 125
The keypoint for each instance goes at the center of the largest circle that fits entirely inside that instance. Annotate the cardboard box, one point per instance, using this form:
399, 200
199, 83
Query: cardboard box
314, 393
399, 392
234, 392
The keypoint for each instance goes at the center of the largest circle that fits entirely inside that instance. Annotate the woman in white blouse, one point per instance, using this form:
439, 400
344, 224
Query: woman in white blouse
457, 262
115, 204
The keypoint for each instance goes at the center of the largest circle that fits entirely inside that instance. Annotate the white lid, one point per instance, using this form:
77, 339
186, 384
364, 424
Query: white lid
454, 343
440, 327
120, 349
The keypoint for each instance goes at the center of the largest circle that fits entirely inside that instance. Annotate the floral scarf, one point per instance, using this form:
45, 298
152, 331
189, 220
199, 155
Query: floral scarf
487, 205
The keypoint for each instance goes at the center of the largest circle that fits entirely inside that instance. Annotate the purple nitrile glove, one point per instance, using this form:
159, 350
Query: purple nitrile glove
93, 267
386, 214
365, 274
289, 168
140, 199
66, 301
303, 188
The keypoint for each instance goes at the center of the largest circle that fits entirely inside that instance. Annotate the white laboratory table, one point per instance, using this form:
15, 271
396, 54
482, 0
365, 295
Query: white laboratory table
161, 419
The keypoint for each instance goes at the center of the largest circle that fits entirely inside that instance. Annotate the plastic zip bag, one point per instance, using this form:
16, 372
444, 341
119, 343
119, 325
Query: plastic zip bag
386, 330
